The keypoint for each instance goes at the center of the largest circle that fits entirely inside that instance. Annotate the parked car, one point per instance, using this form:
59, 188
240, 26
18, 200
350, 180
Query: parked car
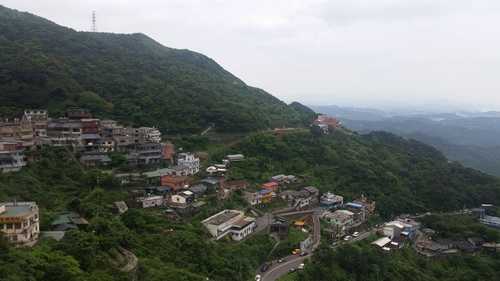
296, 252
355, 234
258, 277
281, 260
301, 266
293, 269
265, 267
347, 238
303, 254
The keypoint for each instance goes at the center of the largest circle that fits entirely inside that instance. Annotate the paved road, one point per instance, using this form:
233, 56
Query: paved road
280, 269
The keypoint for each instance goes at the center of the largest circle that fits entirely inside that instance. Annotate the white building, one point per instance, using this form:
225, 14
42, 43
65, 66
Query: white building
19, 222
230, 222
151, 201
190, 162
393, 229
183, 198
150, 134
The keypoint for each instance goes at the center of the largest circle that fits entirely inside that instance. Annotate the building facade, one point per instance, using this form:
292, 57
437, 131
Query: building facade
19, 222
190, 162
230, 222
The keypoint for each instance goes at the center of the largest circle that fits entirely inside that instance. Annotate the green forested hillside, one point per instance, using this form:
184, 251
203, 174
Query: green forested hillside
401, 175
167, 250
129, 77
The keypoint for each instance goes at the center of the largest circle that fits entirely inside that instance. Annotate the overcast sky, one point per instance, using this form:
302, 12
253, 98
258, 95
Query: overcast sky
365, 53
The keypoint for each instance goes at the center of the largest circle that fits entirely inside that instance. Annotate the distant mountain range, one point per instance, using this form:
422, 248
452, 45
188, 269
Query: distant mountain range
129, 77
472, 138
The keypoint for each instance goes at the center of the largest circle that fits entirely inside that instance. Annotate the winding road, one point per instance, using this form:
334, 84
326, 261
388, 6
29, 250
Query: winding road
278, 270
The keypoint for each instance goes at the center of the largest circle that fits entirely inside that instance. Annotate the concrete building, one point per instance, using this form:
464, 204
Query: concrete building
341, 221
39, 121
234, 158
230, 222
341, 218
19, 222
393, 229
300, 199
175, 182
95, 160
151, 201
190, 162
142, 154
19, 130
65, 132
331, 201
11, 157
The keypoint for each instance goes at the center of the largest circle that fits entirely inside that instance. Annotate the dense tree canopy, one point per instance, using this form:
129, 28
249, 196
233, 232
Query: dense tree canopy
128, 77
401, 175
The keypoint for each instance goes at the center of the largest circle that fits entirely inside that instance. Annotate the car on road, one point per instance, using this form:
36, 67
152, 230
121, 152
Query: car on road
355, 234
347, 238
265, 267
258, 277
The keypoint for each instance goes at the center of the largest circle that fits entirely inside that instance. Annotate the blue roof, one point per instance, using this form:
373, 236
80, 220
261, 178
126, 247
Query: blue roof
354, 205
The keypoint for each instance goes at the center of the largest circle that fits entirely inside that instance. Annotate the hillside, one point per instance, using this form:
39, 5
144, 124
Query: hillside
471, 141
129, 77
471, 138
403, 176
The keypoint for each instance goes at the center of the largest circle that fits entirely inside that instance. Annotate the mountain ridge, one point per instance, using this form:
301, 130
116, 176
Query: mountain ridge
130, 77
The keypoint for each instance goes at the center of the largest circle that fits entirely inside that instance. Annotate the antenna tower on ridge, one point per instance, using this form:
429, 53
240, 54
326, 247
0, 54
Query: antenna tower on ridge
94, 25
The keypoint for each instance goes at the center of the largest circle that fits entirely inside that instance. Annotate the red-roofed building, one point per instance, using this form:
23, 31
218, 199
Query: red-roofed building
271, 186
331, 122
175, 182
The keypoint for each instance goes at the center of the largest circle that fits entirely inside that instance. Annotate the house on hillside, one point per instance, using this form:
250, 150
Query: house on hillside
176, 182
300, 199
68, 221
230, 222
151, 201
271, 186
12, 157
20, 222
331, 201
190, 162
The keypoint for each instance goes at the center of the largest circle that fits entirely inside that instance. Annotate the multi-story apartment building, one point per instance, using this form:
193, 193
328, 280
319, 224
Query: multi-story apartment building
17, 130
190, 162
39, 121
11, 156
65, 132
19, 222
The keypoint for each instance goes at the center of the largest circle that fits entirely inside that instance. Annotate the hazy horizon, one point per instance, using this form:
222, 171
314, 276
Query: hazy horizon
384, 54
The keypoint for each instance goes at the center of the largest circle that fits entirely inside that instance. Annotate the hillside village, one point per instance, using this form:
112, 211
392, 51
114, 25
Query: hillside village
158, 175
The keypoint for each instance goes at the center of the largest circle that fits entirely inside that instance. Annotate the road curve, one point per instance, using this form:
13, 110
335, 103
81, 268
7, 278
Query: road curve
294, 261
